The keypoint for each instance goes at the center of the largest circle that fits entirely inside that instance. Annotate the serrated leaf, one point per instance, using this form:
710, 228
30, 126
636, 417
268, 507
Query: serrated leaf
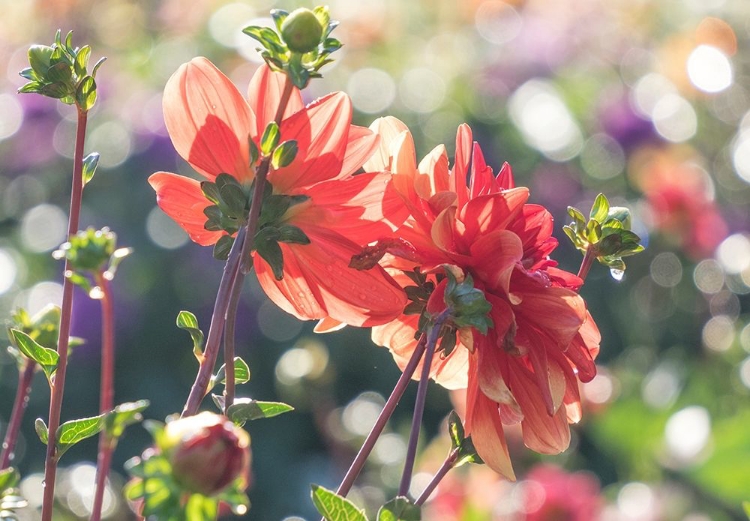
399, 509
284, 154
246, 409
270, 138
124, 415
187, 321
45, 357
41, 430
90, 162
241, 373
334, 507
74, 431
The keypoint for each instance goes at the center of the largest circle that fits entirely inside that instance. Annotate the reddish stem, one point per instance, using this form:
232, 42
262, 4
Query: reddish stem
586, 263
380, 423
438, 477
416, 423
19, 408
106, 393
58, 382
229, 343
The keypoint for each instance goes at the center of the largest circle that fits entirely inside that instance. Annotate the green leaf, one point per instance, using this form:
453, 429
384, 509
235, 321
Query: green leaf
187, 321
244, 409
271, 252
82, 60
90, 162
278, 15
74, 431
79, 280
41, 430
334, 507
291, 234
284, 154
55, 90
59, 73
32, 87
45, 357
455, 429
746, 508
86, 93
399, 509
9, 478
97, 65
222, 247
201, 508
123, 415
600, 209
39, 59
270, 138
254, 152
241, 373
211, 191
234, 199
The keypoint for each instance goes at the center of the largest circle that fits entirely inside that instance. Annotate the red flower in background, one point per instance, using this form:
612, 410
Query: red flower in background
552, 494
526, 368
680, 199
210, 123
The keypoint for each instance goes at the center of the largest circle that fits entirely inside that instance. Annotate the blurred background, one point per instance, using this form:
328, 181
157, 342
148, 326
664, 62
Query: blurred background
647, 101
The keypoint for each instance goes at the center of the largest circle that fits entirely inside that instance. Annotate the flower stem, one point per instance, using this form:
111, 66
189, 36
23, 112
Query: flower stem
385, 414
198, 390
19, 408
229, 342
106, 393
58, 383
238, 264
586, 263
438, 477
424, 379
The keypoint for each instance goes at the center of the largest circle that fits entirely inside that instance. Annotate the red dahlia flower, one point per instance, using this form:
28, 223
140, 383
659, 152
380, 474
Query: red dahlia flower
210, 124
526, 368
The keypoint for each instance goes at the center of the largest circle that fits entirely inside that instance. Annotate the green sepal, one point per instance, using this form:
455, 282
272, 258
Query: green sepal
41, 430
399, 509
211, 191
292, 234
79, 280
270, 138
600, 209
86, 93
267, 246
467, 453
54, 90
117, 420
74, 431
222, 247
90, 162
241, 373
32, 87
46, 358
469, 305
59, 73
97, 65
82, 60
284, 154
39, 59
279, 15
334, 507
29, 74
187, 321
247, 409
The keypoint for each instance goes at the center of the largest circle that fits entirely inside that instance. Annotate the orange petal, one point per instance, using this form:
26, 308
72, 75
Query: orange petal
208, 120
461, 164
558, 312
360, 146
434, 167
482, 180
488, 437
321, 131
492, 212
328, 325
388, 128
264, 95
496, 255
181, 198
505, 177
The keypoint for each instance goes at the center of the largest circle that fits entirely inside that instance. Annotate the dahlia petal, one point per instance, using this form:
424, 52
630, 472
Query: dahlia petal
489, 439
549, 377
360, 146
496, 254
321, 131
490, 376
181, 198
482, 180
442, 229
460, 172
492, 212
505, 178
208, 120
388, 128
557, 312
434, 168
328, 325
363, 208
264, 95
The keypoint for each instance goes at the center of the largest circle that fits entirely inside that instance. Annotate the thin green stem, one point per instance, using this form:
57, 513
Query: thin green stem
19, 408
58, 383
424, 379
385, 415
106, 392
447, 465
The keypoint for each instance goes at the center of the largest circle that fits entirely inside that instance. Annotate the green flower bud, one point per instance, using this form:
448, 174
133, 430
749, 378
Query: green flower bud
301, 31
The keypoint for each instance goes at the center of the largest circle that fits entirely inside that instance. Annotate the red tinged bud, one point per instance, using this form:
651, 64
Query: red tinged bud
207, 452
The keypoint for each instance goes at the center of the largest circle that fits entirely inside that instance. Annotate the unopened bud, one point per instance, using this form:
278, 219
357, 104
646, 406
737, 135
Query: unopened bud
301, 30
207, 452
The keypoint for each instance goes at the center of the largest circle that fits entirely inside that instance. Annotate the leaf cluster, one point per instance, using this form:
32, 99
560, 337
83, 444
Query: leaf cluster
60, 71
337, 508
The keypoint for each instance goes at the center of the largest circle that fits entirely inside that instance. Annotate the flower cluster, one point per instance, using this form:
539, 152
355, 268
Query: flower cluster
375, 248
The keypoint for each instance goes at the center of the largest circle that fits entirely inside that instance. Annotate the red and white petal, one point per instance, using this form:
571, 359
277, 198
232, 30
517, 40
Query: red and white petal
360, 146
388, 128
181, 198
208, 120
